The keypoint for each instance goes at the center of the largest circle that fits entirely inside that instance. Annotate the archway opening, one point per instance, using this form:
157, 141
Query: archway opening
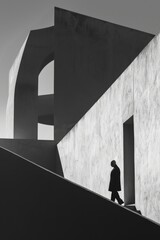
46, 87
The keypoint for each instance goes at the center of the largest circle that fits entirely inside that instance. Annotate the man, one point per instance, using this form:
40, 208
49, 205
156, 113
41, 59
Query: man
115, 185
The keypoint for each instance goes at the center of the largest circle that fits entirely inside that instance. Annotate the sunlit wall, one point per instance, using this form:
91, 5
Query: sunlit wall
89, 147
12, 83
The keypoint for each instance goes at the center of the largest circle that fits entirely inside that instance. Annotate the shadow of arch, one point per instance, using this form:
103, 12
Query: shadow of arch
39, 51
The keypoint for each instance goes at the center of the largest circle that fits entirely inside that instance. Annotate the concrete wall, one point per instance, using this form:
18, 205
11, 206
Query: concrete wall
90, 55
147, 129
87, 150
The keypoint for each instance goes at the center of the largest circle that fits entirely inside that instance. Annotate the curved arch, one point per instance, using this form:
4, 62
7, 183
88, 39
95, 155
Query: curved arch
39, 51
46, 61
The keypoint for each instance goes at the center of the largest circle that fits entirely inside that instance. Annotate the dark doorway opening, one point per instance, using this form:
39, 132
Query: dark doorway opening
129, 175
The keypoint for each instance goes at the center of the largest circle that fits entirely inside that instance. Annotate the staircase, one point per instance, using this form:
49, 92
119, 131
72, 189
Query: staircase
37, 204
133, 208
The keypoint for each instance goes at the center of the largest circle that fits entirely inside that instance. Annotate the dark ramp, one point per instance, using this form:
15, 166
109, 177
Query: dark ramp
90, 55
41, 152
39, 205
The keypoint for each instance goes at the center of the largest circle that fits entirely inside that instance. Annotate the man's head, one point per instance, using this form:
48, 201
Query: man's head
113, 163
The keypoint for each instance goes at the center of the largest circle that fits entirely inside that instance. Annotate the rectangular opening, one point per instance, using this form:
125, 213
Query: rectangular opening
129, 175
45, 132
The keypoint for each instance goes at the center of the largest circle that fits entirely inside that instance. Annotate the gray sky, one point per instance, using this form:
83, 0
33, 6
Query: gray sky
18, 17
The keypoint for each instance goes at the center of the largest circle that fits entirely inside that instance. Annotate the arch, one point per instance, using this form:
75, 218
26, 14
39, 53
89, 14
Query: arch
39, 51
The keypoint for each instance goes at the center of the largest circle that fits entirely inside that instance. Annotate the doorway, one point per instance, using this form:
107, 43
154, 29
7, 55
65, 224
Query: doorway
129, 174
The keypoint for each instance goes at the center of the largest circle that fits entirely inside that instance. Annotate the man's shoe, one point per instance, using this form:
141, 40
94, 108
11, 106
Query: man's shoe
121, 202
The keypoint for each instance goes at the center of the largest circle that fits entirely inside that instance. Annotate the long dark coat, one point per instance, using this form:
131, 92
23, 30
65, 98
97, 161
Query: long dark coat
115, 184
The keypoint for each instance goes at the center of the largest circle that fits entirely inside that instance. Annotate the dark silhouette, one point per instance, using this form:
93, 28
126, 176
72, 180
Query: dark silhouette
115, 184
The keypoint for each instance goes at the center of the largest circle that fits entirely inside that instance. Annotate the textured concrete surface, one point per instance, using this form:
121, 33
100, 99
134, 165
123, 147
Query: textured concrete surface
87, 150
147, 129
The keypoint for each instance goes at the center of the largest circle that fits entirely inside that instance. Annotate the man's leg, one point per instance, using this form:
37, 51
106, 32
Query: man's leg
113, 196
119, 200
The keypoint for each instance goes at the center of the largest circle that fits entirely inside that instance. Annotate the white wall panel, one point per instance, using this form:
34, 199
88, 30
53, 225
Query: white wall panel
12, 83
86, 152
89, 147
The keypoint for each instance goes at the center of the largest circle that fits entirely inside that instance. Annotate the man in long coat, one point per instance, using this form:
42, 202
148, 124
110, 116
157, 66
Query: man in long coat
115, 184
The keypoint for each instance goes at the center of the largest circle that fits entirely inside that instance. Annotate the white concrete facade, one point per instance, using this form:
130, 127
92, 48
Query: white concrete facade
86, 151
